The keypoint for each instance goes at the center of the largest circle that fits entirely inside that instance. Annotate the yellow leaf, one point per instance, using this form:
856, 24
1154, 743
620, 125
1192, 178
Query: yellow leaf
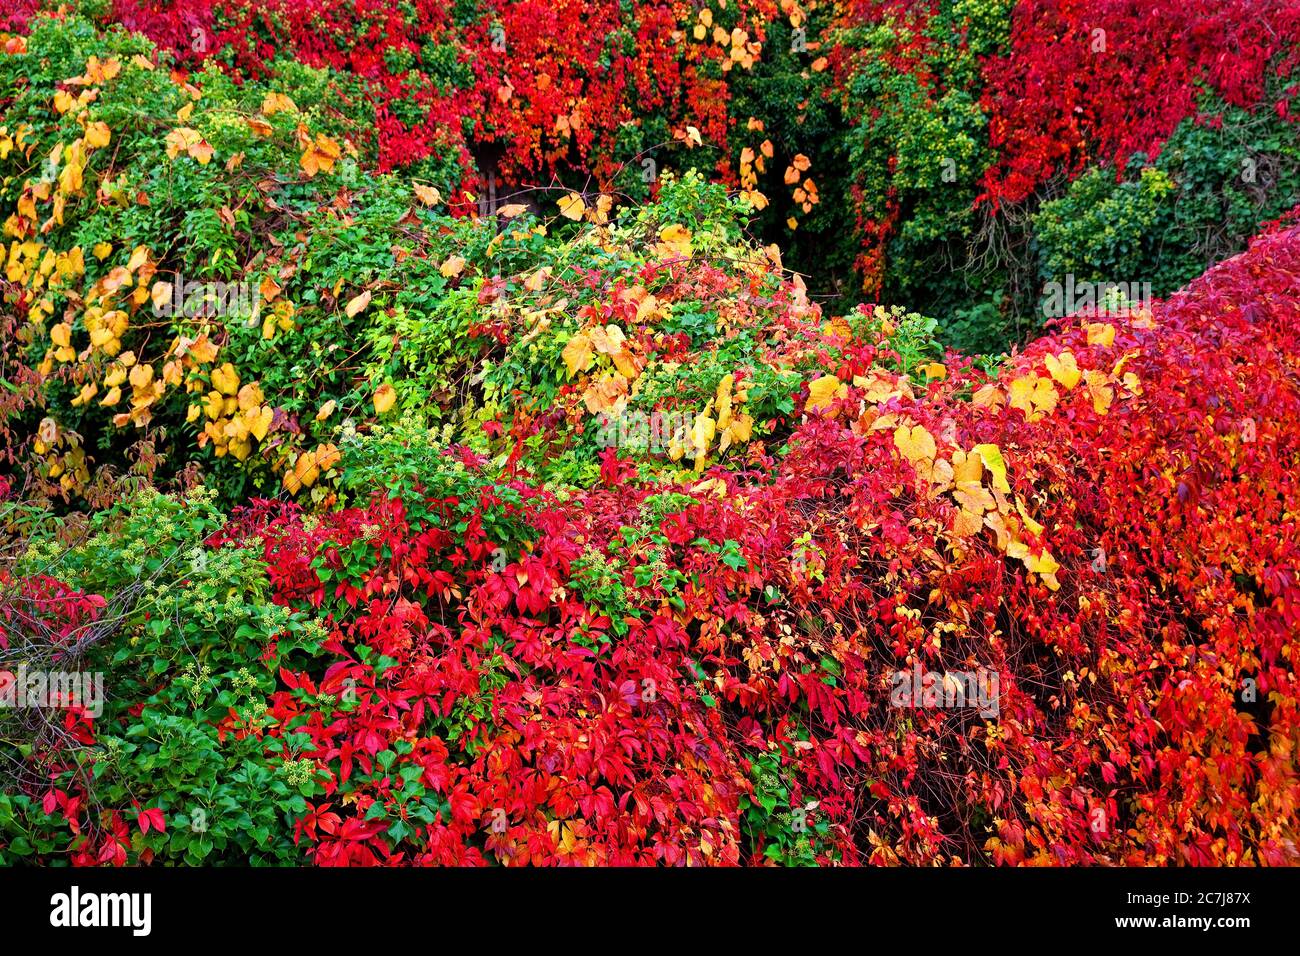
1100, 391
1034, 395
385, 397
572, 206
250, 397
1100, 333
608, 340
97, 135
116, 278
319, 156
823, 391
967, 523
701, 434
915, 443
878, 386
991, 455
304, 474
268, 288
1033, 526
225, 379
326, 410
452, 267
626, 364
714, 486
675, 240
88, 391
259, 421
740, 430
1064, 369
1045, 565
214, 404
327, 456
935, 371
239, 446
722, 399
838, 327
941, 477
188, 141
536, 280
967, 467
974, 497
203, 349
141, 376
577, 354
608, 393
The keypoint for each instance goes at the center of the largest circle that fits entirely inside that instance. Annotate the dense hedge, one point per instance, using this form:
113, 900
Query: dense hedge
582, 533
462, 669
902, 147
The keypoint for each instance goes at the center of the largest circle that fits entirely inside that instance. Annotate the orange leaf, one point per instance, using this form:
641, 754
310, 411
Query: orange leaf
357, 304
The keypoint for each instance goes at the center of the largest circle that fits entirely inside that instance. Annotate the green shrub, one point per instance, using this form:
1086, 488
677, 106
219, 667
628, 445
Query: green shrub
189, 649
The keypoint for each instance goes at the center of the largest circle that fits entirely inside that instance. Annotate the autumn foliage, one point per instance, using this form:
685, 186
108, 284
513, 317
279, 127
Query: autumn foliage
1097, 549
579, 533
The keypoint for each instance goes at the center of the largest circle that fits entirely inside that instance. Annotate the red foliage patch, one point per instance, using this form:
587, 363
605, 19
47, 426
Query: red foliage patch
1146, 705
1099, 80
